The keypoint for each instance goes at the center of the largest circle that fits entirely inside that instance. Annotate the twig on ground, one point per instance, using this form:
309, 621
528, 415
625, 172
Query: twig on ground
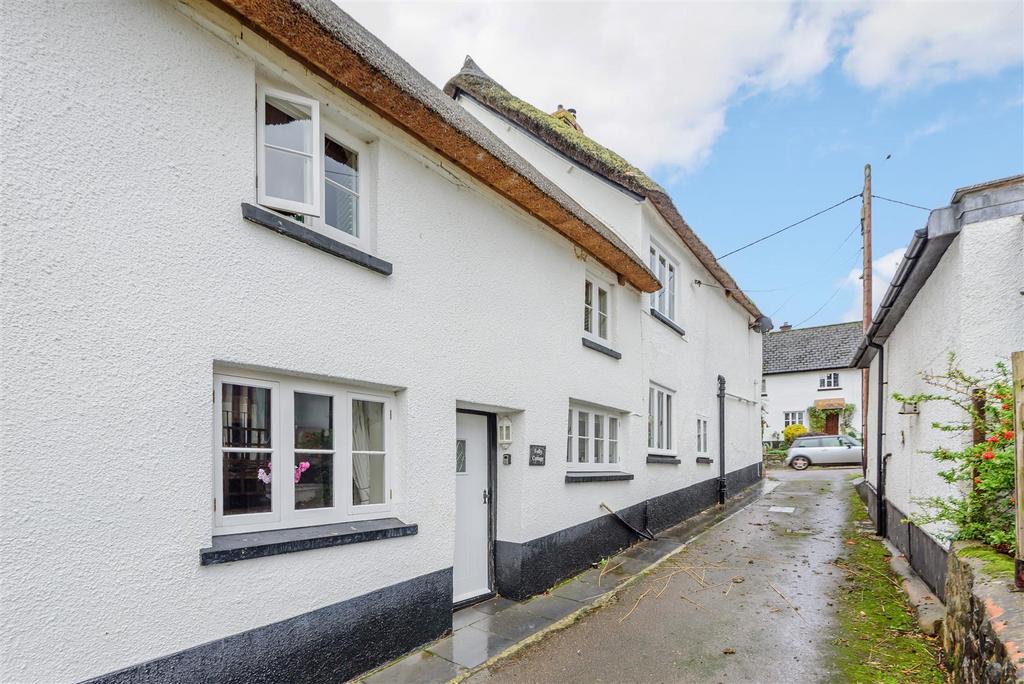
634, 606
606, 569
699, 605
788, 602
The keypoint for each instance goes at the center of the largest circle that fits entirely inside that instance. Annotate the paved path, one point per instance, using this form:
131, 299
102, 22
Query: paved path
741, 580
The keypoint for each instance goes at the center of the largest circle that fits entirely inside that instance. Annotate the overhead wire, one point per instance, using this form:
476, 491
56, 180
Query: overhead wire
791, 225
830, 298
895, 201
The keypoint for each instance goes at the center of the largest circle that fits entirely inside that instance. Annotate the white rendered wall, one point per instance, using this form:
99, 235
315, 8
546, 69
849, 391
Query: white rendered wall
129, 273
717, 341
970, 305
796, 391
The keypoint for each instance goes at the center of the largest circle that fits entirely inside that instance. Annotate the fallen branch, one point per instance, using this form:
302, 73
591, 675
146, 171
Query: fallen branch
634, 606
606, 569
788, 602
699, 605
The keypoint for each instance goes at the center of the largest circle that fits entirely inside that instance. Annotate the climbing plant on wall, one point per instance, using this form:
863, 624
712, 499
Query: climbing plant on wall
982, 472
816, 417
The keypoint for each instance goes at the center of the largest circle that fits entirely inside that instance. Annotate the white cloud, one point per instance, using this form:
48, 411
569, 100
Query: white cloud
882, 270
654, 81
898, 45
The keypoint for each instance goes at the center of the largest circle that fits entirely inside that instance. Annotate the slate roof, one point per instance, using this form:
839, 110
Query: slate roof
819, 348
571, 142
331, 44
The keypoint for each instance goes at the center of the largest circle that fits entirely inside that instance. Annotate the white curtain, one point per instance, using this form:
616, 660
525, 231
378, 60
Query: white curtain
362, 440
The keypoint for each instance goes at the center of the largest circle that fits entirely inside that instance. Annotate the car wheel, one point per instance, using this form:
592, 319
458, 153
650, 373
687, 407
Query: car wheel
800, 463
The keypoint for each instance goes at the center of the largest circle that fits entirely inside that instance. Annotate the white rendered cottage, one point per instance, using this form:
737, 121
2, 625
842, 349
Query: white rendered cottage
298, 354
808, 369
959, 289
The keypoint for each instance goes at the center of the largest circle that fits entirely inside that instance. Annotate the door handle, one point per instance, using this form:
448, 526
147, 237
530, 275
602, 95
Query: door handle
487, 496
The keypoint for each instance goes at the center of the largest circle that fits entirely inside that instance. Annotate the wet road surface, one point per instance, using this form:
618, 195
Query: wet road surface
748, 601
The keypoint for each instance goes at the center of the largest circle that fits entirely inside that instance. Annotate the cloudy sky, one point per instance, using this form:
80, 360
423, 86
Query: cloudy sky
755, 115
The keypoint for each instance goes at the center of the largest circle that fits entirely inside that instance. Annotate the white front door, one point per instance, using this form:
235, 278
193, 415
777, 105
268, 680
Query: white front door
471, 572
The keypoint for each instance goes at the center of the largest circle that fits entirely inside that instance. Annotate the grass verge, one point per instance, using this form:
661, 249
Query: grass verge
879, 640
996, 564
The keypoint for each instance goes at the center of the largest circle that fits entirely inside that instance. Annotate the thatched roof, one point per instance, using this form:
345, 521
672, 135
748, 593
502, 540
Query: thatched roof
331, 44
578, 147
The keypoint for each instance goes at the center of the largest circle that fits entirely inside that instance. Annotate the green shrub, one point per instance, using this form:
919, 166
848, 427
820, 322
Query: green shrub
793, 431
984, 472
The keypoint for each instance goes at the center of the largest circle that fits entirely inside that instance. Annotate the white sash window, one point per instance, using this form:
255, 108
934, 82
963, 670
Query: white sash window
291, 453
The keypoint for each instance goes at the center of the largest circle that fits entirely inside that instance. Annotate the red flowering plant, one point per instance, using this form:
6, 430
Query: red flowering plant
986, 507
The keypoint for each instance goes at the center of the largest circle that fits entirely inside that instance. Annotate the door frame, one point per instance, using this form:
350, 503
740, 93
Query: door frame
492, 506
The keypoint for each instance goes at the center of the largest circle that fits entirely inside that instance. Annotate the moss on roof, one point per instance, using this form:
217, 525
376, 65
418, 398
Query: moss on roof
594, 156
481, 87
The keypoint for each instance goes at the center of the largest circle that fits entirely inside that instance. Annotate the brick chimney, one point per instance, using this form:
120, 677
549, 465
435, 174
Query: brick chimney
784, 327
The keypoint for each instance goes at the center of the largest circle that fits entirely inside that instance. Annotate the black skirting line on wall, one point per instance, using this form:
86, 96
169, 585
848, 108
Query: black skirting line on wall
522, 570
331, 644
925, 555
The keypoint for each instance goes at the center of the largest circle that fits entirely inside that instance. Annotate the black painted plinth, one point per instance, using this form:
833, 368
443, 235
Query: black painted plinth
525, 569
332, 644
924, 554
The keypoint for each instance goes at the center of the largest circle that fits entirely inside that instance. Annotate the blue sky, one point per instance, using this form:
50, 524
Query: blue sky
756, 114
787, 154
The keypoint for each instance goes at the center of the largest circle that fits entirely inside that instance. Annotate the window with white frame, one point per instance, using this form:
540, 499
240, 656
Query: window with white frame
792, 418
702, 436
291, 453
593, 439
664, 267
829, 381
309, 167
659, 419
597, 308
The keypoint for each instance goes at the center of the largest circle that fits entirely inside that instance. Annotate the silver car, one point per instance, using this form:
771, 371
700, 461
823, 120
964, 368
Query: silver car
823, 450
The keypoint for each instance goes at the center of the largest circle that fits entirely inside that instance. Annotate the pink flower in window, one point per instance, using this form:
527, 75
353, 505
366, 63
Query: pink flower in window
299, 469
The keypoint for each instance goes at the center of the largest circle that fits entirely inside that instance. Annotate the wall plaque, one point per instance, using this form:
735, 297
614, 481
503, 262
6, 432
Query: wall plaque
538, 454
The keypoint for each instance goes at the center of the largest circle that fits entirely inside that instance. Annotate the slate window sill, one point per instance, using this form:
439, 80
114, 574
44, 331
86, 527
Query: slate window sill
662, 458
235, 547
297, 231
597, 476
669, 322
829, 389
607, 351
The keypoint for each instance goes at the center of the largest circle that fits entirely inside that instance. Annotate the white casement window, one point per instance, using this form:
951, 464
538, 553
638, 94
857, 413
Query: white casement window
593, 441
792, 418
659, 420
702, 436
829, 381
291, 453
310, 168
664, 267
597, 309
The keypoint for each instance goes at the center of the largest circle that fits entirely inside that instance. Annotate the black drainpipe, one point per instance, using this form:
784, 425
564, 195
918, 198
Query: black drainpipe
881, 524
722, 483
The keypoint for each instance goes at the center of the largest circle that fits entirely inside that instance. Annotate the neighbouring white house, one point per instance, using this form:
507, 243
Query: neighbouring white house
958, 289
808, 379
300, 352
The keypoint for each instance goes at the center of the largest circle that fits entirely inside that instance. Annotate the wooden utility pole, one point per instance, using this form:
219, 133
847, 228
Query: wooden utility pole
1017, 361
865, 373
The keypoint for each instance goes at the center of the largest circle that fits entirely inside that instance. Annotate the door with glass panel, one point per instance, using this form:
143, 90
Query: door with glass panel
472, 495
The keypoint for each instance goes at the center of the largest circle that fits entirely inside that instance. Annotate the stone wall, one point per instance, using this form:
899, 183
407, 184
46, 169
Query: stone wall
984, 626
